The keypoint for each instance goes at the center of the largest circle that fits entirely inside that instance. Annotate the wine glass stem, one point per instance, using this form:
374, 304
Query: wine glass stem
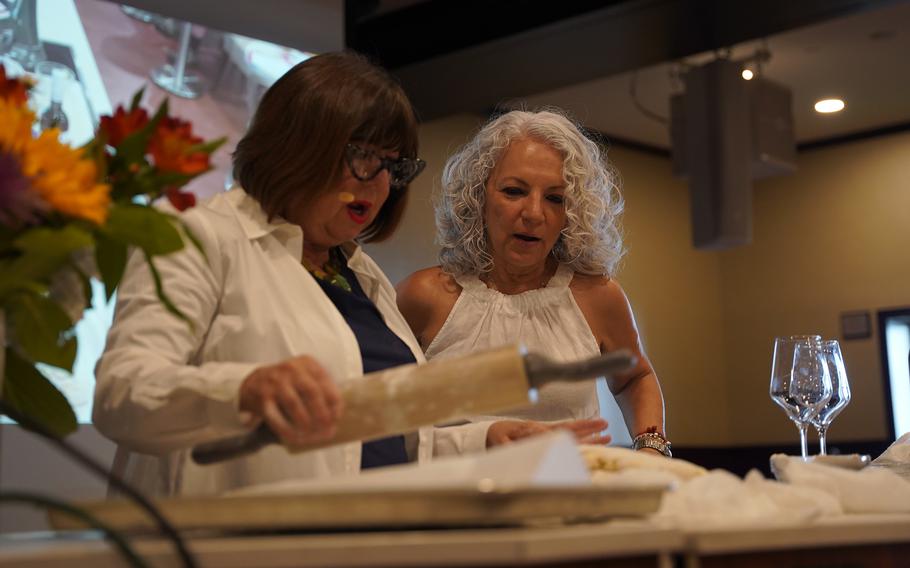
803, 441
822, 441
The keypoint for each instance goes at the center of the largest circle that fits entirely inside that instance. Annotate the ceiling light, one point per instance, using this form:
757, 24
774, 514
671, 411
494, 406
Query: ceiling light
829, 105
747, 74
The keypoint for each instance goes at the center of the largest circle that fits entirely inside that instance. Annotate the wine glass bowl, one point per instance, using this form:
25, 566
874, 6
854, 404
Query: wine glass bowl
795, 382
782, 369
810, 385
840, 392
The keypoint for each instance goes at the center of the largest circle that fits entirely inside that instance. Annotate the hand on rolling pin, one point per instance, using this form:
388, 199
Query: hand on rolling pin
585, 431
296, 398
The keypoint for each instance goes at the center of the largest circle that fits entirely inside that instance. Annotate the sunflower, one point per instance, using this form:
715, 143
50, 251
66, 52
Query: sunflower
15, 126
58, 176
66, 180
17, 204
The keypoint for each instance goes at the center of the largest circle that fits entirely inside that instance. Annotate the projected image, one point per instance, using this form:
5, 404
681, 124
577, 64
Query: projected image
85, 57
91, 331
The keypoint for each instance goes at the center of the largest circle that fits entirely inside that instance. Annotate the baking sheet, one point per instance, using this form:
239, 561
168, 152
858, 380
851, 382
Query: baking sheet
539, 478
375, 509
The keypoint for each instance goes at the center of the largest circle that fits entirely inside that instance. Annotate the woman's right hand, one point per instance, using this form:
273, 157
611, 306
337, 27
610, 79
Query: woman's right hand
296, 398
585, 431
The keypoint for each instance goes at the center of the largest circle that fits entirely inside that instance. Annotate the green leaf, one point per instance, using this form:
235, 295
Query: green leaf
111, 257
191, 236
133, 148
86, 280
162, 112
31, 394
42, 251
163, 180
7, 235
94, 149
137, 98
29, 286
125, 189
159, 290
145, 227
55, 245
210, 146
41, 327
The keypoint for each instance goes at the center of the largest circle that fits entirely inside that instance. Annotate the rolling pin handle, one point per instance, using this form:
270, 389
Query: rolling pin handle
229, 448
541, 369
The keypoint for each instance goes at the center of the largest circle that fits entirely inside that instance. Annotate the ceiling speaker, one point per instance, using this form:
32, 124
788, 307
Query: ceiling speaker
718, 149
725, 132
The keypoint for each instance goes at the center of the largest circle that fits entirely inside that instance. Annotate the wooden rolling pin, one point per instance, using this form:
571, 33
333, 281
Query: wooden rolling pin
402, 399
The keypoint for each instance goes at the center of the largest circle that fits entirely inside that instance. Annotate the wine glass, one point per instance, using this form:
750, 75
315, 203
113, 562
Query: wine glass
55, 79
810, 387
840, 395
782, 372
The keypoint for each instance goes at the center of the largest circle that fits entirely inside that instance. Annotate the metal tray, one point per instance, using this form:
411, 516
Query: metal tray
353, 509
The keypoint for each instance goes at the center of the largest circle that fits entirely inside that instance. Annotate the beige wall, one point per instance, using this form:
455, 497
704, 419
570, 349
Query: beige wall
828, 239
674, 292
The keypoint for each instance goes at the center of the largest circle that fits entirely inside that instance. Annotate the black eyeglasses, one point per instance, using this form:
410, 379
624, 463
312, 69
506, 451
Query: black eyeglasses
366, 164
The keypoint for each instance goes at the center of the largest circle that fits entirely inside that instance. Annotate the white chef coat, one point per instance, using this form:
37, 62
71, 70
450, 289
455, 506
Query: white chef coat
164, 386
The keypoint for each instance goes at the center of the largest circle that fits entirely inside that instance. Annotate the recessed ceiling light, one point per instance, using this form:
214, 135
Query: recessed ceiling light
829, 105
747, 74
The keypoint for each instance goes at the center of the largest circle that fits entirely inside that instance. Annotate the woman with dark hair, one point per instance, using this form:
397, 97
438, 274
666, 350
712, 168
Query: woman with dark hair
282, 304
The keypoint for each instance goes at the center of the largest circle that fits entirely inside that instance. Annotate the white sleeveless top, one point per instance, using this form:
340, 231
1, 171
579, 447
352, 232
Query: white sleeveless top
546, 321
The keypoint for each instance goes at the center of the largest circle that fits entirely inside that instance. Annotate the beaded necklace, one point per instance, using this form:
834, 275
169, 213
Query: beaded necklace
329, 272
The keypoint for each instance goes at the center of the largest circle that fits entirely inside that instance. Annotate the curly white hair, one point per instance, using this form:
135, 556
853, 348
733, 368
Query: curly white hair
590, 243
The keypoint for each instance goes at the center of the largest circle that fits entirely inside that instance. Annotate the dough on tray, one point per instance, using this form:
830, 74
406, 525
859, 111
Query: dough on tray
606, 459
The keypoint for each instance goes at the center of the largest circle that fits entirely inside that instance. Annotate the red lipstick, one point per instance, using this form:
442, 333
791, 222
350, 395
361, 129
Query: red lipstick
359, 210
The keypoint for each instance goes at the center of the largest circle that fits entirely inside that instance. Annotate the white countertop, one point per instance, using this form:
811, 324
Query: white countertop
844, 530
506, 547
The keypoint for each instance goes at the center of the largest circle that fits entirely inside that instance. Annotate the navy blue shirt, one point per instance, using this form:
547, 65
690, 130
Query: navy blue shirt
380, 349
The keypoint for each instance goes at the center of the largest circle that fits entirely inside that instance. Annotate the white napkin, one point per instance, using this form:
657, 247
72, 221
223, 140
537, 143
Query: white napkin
896, 458
721, 499
899, 451
870, 490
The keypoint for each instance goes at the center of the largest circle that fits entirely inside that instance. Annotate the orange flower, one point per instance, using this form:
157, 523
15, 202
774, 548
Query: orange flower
116, 128
13, 90
172, 150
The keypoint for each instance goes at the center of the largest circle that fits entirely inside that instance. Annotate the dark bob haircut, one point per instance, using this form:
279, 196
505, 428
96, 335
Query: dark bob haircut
293, 150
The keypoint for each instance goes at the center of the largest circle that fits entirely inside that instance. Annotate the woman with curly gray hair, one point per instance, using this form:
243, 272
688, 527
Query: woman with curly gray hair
527, 222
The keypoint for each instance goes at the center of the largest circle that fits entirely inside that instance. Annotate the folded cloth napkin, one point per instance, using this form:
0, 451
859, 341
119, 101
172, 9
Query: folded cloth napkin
720, 499
870, 490
702, 499
899, 451
896, 458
